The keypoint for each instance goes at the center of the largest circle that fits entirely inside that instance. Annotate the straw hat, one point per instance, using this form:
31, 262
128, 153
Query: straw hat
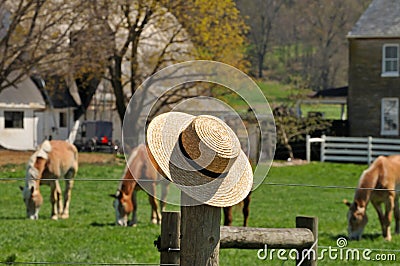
202, 156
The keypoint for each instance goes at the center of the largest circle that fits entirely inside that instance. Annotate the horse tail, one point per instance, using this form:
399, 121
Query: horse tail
75, 152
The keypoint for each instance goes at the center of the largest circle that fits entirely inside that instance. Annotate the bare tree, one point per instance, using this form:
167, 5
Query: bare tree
145, 37
121, 41
306, 39
322, 27
35, 35
148, 35
290, 128
261, 16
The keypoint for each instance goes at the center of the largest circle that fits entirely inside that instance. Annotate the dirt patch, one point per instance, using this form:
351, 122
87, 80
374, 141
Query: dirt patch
289, 163
22, 157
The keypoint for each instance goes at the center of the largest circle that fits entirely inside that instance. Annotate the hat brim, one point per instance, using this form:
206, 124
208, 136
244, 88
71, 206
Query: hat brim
163, 143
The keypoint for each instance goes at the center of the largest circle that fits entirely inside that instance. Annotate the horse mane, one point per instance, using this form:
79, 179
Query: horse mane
33, 172
369, 180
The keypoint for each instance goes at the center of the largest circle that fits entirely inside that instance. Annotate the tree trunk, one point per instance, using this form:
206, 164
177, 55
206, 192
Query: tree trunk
287, 145
116, 76
260, 65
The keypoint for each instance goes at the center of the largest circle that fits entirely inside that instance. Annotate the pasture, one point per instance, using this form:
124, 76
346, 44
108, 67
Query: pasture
89, 235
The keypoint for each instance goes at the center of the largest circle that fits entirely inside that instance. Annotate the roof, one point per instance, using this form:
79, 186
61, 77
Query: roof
25, 94
33, 93
59, 93
332, 92
381, 19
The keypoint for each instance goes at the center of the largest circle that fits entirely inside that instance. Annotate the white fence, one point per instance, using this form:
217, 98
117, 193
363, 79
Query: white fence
352, 149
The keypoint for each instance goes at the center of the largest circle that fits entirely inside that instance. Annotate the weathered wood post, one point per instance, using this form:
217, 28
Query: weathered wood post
170, 234
308, 256
200, 233
202, 155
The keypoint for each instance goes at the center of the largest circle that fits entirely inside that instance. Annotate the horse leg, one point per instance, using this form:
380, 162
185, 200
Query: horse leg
227, 215
155, 214
134, 203
246, 209
388, 216
59, 198
69, 183
381, 216
164, 193
397, 214
55, 194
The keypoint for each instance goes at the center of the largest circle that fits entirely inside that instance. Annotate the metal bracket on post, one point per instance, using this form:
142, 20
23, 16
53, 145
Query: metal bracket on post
168, 243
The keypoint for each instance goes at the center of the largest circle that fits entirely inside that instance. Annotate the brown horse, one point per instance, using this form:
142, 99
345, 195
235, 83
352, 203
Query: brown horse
245, 208
377, 184
139, 169
246, 211
52, 160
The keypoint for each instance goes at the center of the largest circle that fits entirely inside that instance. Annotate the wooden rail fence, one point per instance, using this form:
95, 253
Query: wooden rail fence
353, 149
181, 242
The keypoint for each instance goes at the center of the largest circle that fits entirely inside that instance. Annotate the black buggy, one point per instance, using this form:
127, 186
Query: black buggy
95, 135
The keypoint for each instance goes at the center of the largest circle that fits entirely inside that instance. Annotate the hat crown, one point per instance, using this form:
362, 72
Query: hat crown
210, 143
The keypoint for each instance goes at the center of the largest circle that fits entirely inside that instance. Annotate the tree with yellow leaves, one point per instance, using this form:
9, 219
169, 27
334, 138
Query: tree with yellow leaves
119, 41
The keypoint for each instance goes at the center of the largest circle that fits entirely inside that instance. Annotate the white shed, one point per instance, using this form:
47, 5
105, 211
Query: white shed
28, 116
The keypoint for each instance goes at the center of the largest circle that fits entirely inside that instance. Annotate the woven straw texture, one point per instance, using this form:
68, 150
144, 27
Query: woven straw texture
212, 146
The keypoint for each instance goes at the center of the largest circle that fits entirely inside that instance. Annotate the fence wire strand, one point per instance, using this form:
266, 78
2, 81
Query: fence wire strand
372, 249
5, 179
80, 263
325, 187
265, 183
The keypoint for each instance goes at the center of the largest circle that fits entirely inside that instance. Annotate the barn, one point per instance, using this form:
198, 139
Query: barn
374, 80
30, 114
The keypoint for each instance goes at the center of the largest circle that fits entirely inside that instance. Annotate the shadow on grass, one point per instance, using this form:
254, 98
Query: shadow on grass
371, 236
16, 218
374, 236
96, 224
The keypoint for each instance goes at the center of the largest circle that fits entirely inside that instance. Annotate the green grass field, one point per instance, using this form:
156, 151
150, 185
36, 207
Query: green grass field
277, 94
89, 236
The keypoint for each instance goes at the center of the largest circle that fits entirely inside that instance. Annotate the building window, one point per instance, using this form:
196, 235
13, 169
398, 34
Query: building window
390, 117
390, 60
63, 119
13, 119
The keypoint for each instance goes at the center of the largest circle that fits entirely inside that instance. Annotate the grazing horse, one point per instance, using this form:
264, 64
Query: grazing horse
246, 210
52, 161
139, 168
377, 184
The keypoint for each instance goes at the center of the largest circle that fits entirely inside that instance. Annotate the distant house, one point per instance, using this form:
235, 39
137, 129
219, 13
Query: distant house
30, 114
374, 77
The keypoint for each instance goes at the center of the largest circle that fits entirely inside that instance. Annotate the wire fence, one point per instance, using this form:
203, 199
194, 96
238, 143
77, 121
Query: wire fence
300, 185
77, 263
265, 183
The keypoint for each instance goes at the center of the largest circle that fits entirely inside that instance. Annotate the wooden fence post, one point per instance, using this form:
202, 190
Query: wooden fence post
200, 233
322, 157
309, 256
308, 148
170, 242
369, 150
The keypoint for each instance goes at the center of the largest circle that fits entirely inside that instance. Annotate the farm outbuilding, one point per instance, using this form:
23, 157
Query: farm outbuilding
30, 114
374, 77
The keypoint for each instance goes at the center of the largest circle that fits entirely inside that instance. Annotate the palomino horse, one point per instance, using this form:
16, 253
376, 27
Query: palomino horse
139, 169
52, 161
377, 184
246, 210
